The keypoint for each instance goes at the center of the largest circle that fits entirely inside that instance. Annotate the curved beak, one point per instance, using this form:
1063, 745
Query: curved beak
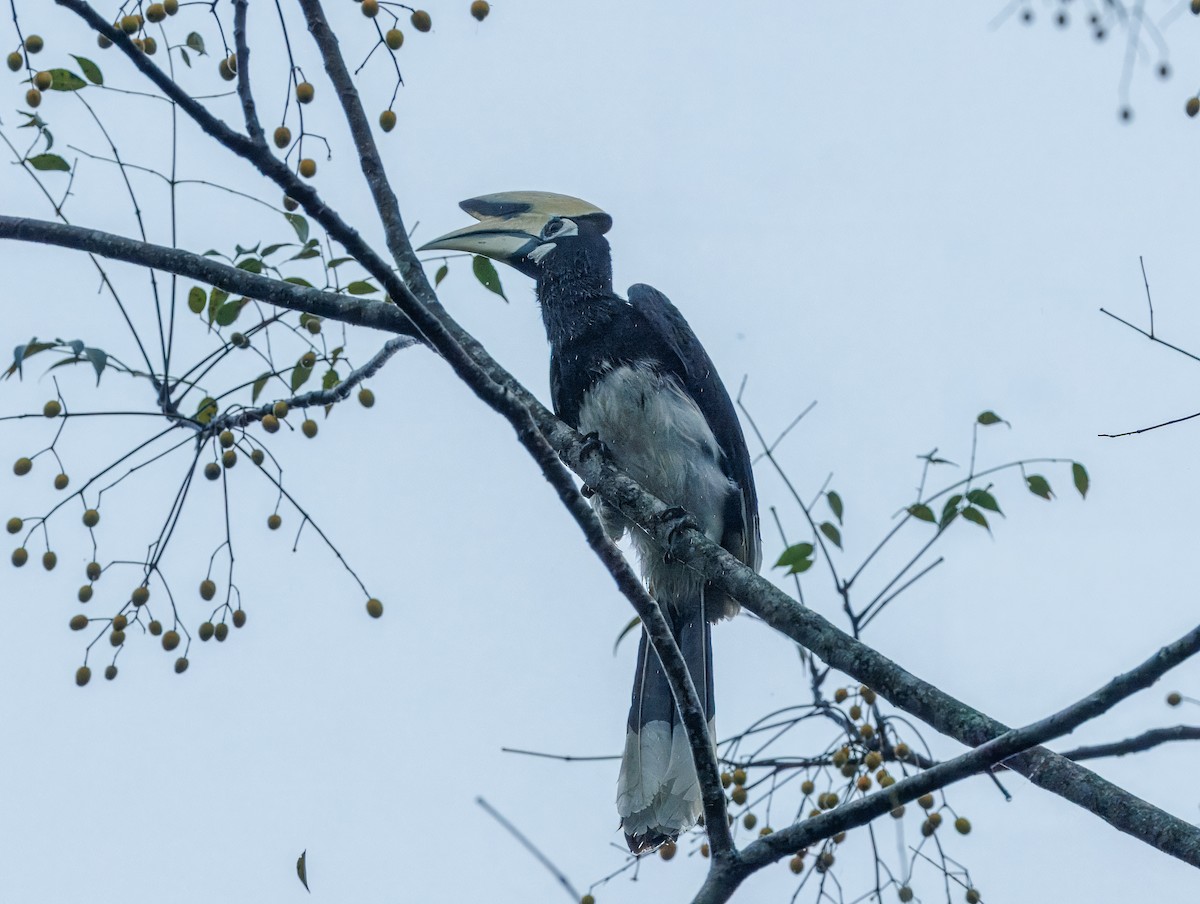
508, 239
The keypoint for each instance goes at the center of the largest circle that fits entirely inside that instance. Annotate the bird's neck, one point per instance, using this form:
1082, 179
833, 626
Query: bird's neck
574, 289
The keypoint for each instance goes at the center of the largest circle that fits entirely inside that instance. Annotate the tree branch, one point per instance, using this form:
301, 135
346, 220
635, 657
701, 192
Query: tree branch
1145, 741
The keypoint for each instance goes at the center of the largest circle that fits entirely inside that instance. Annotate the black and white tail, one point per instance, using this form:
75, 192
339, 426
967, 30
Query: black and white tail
658, 793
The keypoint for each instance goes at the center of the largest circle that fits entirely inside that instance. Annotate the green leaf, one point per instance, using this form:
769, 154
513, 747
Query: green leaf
1080, 474
950, 509
259, 385
443, 272
250, 265
335, 354
305, 254
197, 299
228, 312
331, 379
207, 410
65, 80
834, 535
922, 512
972, 514
90, 70
487, 275
797, 559
302, 870
299, 224
298, 281
361, 287
186, 59
984, 500
835, 504
987, 418
216, 298
46, 162
99, 358
338, 261
634, 622
300, 375
271, 249
1039, 486
76, 345
195, 42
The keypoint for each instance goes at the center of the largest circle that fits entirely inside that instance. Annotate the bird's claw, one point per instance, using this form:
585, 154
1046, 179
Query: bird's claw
679, 519
593, 445
586, 491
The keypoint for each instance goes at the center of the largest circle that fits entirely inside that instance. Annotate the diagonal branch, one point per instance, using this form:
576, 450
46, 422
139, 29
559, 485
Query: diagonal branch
1138, 743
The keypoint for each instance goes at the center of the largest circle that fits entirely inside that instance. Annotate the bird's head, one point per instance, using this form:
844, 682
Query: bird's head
526, 229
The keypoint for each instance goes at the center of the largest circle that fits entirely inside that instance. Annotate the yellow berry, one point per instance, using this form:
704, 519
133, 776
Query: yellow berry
962, 825
480, 9
149, 45
925, 801
749, 820
906, 894
587, 899
226, 71
83, 675
863, 783
257, 456
212, 470
1173, 699
370, 8
226, 438
313, 325
155, 12
229, 458
374, 608
273, 522
309, 428
78, 622
305, 92
839, 837
739, 776
796, 864
394, 39
366, 398
42, 81
221, 632
270, 423
849, 770
902, 751
308, 359
14, 525
868, 695
85, 593
872, 760
421, 20
14, 60
170, 640
898, 812
280, 409
840, 695
807, 787
155, 628
120, 623
49, 560
110, 672
283, 137
22, 466
667, 851
765, 831
181, 665
290, 203
935, 819
129, 24
855, 712
34, 44
91, 518
206, 630
972, 896
33, 97
825, 860
20, 556
104, 41
207, 589
171, 6
93, 571
308, 167
239, 618
140, 595
738, 795
704, 849
867, 731
1193, 106
61, 481
116, 638
1195, 7
387, 120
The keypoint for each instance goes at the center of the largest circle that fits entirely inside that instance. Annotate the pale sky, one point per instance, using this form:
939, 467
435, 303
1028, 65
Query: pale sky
900, 213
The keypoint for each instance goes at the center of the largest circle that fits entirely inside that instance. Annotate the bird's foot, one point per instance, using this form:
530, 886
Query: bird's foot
593, 445
679, 519
586, 491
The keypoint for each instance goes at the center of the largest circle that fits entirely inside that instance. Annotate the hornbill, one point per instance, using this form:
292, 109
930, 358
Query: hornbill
633, 375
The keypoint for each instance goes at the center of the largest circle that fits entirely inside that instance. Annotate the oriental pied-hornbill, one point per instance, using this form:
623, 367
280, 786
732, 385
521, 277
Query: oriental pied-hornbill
633, 373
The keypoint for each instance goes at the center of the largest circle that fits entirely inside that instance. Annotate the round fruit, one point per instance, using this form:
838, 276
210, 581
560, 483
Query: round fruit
207, 589
863, 783
170, 640
308, 359
366, 398
739, 776
273, 522
972, 896
906, 893
726, 780
370, 8
280, 409
1173, 699
738, 795
206, 630
33, 97
226, 72
305, 92
22, 466
374, 608
421, 20
387, 120
962, 825
171, 6
257, 456
221, 632
34, 44
212, 470
49, 560
42, 81
313, 325
149, 45
749, 820
120, 623
14, 61
480, 9
61, 481
667, 851
129, 25
270, 423
309, 428
91, 518
110, 672
898, 812
93, 571
308, 167
78, 622
85, 593
872, 760
140, 595
855, 712
239, 340
14, 525
587, 899
394, 39
901, 751
116, 638
239, 618
283, 137
181, 665
155, 12
155, 628
807, 787
83, 675
226, 438
925, 801
104, 41
1193, 106
290, 203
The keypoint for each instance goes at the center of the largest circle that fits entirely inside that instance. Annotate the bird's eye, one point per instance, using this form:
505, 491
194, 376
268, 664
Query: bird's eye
553, 228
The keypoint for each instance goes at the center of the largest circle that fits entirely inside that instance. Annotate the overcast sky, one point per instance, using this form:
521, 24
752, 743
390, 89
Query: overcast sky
901, 213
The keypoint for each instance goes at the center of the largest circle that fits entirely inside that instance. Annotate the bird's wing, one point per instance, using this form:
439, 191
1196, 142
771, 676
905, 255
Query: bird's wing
703, 384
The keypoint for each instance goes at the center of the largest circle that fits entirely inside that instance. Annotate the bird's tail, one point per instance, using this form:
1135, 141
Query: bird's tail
658, 793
